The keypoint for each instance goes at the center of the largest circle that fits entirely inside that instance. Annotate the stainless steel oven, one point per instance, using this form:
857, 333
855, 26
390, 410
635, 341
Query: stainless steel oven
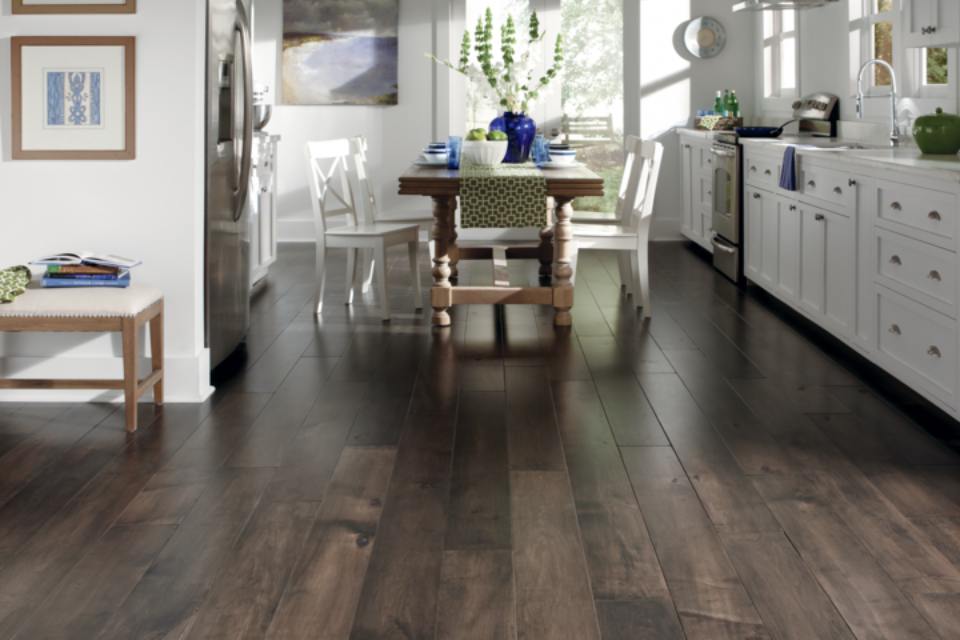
727, 212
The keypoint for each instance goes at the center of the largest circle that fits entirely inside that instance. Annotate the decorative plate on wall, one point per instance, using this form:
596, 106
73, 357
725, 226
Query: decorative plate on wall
705, 37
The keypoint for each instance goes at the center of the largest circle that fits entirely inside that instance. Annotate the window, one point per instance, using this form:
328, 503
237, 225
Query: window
779, 54
881, 18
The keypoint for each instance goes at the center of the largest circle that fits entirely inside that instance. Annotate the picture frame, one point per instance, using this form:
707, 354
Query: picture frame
73, 6
73, 98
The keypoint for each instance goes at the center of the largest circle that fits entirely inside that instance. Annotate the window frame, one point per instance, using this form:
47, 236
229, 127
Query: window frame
779, 99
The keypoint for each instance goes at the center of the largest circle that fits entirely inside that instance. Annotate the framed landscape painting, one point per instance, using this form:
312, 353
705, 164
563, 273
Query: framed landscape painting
74, 6
73, 98
340, 52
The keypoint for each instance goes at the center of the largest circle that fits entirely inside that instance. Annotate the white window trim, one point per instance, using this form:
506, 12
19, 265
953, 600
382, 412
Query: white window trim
781, 101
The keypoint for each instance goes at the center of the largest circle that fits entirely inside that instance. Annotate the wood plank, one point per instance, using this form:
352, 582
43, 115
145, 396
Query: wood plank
554, 599
89, 594
792, 603
324, 588
709, 596
164, 603
476, 598
638, 619
479, 507
534, 443
866, 597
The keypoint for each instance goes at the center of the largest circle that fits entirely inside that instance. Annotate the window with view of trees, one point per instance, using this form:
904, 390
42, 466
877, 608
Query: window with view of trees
779, 54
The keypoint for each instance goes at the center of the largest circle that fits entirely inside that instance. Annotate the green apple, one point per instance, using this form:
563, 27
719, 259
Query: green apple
477, 134
495, 136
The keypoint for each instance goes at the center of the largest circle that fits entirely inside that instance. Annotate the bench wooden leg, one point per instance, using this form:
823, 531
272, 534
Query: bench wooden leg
156, 355
130, 378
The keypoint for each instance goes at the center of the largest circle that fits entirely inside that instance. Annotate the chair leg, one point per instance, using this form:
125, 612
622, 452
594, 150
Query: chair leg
321, 274
351, 273
156, 355
413, 249
642, 260
368, 269
380, 266
627, 279
130, 376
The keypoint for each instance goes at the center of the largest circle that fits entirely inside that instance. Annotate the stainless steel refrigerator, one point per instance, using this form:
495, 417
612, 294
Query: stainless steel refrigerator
228, 164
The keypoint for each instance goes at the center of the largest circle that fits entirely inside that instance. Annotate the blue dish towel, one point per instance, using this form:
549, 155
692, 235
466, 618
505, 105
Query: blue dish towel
788, 172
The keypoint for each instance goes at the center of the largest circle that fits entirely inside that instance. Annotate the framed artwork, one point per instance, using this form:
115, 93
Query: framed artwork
340, 52
74, 6
74, 98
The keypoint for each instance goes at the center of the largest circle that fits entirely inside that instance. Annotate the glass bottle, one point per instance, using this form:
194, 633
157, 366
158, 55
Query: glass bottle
719, 106
733, 105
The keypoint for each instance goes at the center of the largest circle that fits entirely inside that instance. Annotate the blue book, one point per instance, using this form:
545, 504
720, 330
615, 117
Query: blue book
69, 283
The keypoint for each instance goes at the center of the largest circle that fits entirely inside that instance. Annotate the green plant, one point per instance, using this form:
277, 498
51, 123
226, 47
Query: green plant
511, 82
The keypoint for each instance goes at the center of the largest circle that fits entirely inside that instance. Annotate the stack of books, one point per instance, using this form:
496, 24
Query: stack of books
67, 270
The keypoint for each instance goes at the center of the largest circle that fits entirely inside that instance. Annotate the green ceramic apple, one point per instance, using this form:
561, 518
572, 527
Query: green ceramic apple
938, 134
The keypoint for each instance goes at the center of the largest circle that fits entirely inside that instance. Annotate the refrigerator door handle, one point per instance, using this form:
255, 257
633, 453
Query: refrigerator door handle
246, 163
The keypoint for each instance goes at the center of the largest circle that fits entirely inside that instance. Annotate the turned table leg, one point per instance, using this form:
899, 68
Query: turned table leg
546, 243
563, 271
442, 232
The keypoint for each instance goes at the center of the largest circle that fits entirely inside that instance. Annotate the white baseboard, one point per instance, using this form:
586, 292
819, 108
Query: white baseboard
303, 230
187, 379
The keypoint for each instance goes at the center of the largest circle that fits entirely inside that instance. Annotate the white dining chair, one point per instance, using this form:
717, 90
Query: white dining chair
334, 185
371, 213
615, 216
630, 238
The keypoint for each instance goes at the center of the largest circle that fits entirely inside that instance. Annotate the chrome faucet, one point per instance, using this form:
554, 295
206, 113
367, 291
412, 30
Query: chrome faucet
894, 124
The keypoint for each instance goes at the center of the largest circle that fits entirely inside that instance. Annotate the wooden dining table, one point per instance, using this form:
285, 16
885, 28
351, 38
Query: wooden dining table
555, 249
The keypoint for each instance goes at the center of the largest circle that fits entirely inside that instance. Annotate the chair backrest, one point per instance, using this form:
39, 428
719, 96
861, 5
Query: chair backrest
642, 188
366, 198
331, 179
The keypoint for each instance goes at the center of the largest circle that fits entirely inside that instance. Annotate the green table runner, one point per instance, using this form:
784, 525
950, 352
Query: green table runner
502, 197
13, 282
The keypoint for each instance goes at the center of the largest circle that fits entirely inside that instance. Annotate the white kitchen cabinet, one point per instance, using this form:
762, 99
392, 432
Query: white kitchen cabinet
697, 176
931, 23
772, 253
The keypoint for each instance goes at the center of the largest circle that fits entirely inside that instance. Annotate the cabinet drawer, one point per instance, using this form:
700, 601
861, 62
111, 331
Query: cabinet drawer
917, 208
829, 186
762, 171
919, 343
925, 271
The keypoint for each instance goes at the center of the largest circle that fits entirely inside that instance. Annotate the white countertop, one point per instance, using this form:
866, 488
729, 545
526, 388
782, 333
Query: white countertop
907, 159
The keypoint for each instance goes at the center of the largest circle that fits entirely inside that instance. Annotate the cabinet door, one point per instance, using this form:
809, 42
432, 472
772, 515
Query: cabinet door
813, 260
753, 232
686, 158
931, 23
770, 269
841, 273
788, 251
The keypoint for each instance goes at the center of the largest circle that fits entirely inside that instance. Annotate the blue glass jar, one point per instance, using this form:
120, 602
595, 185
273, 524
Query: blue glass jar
520, 130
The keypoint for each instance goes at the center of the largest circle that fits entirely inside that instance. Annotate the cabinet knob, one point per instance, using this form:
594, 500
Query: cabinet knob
896, 260
819, 217
753, 169
935, 216
895, 330
812, 184
896, 206
934, 352
933, 29
838, 191
851, 182
768, 172
935, 276
756, 196
793, 207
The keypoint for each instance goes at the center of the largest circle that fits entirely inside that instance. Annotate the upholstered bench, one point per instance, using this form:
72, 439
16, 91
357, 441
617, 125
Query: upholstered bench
95, 310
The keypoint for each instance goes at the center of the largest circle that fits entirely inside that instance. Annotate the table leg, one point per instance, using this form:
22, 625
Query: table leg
442, 232
546, 243
563, 272
453, 249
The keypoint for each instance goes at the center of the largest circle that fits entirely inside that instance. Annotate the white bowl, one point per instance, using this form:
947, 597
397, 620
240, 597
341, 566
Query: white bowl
434, 158
563, 157
484, 153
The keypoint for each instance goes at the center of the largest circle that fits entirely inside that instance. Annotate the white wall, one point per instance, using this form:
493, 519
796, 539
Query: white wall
396, 134
675, 86
150, 208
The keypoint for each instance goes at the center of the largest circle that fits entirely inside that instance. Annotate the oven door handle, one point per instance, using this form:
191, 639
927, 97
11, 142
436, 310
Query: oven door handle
722, 153
720, 246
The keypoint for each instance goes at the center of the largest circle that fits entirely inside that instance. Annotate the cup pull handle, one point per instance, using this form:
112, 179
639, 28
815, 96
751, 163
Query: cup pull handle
768, 172
896, 260
934, 352
838, 191
935, 216
935, 275
896, 206
756, 196
812, 184
895, 330
753, 169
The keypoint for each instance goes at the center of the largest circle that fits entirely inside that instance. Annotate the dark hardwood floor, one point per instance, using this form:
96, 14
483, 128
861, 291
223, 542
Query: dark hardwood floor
722, 471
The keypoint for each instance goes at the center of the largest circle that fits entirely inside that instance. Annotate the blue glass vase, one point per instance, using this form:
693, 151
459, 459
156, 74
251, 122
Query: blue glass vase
520, 130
